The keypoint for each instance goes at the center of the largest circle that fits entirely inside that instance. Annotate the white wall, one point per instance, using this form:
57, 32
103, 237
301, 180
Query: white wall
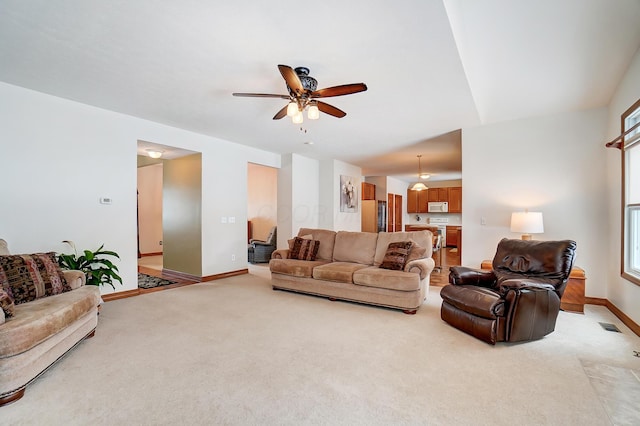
553, 164
150, 208
622, 293
331, 217
298, 196
62, 156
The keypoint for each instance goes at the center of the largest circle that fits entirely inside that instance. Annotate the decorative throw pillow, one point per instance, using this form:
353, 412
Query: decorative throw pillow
26, 277
416, 252
304, 249
6, 303
305, 237
396, 256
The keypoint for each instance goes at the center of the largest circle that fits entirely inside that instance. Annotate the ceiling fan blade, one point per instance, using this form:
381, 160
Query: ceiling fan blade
345, 89
330, 109
292, 79
261, 95
281, 113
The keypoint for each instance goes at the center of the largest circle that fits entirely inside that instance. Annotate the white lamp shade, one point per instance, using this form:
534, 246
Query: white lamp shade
292, 109
314, 112
419, 187
297, 119
527, 222
154, 153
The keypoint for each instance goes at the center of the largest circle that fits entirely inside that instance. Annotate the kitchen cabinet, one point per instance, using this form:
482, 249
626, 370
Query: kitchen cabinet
438, 194
455, 199
453, 236
394, 213
368, 191
417, 201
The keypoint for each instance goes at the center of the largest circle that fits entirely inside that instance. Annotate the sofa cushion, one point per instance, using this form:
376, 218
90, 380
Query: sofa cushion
294, 267
36, 321
396, 255
6, 304
356, 247
387, 278
416, 252
337, 271
304, 249
292, 240
327, 240
422, 238
27, 277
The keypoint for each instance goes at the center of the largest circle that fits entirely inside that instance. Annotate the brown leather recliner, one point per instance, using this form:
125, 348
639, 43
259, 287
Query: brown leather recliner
518, 300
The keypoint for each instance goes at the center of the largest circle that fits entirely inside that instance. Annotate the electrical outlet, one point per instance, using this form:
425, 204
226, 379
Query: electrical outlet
232, 219
483, 221
233, 257
160, 242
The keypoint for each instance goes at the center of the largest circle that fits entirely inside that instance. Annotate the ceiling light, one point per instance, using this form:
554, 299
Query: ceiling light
297, 119
419, 187
314, 112
292, 109
153, 153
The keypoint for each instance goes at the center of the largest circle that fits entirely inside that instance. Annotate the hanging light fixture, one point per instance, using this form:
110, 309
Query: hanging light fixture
292, 109
297, 119
419, 186
314, 112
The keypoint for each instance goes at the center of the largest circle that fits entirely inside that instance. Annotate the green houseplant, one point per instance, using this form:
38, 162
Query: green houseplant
98, 269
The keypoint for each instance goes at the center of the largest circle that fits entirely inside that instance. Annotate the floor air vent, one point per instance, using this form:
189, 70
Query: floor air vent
609, 327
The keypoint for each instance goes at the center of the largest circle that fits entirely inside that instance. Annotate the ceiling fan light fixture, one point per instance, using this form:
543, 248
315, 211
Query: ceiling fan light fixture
297, 119
419, 187
292, 109
314, 112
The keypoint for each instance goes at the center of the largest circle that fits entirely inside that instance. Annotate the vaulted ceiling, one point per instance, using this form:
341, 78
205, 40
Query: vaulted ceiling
432, 66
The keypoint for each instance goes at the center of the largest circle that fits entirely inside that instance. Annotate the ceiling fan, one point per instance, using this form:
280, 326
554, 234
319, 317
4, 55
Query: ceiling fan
303, 95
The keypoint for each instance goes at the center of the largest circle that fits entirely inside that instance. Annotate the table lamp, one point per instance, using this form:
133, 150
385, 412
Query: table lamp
527, 223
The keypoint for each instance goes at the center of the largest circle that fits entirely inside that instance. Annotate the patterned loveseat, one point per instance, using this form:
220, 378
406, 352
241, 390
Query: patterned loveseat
45, 313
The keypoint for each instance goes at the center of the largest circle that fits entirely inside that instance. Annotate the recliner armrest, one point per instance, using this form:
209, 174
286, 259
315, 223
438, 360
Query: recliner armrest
261, 243
252, 240
462, 275
525, 284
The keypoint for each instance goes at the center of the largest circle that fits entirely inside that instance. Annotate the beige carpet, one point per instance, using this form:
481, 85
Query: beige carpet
236, 352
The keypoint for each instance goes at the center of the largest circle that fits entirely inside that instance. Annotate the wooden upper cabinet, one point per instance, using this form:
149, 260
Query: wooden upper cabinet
368, 191
438, 194
417, 201
455, 199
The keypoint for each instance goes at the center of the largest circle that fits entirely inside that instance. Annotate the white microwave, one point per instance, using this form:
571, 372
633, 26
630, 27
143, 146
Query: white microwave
438, 207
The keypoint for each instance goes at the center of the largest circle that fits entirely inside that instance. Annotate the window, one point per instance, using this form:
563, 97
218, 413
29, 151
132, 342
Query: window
631, 194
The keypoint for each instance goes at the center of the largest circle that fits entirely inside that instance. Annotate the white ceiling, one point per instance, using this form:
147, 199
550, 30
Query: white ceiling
432, 66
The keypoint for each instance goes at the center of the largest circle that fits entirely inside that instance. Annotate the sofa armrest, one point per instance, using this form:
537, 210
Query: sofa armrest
422, 267
280, 254
75, 279
461, 275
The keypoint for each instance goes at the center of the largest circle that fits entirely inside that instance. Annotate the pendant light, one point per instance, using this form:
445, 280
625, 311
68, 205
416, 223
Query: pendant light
419, 186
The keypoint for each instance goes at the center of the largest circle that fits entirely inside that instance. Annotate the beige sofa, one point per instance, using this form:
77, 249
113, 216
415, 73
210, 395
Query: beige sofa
42, 331
347, 267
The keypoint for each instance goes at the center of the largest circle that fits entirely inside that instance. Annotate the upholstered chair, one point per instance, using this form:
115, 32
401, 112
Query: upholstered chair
260, 250
518, 300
